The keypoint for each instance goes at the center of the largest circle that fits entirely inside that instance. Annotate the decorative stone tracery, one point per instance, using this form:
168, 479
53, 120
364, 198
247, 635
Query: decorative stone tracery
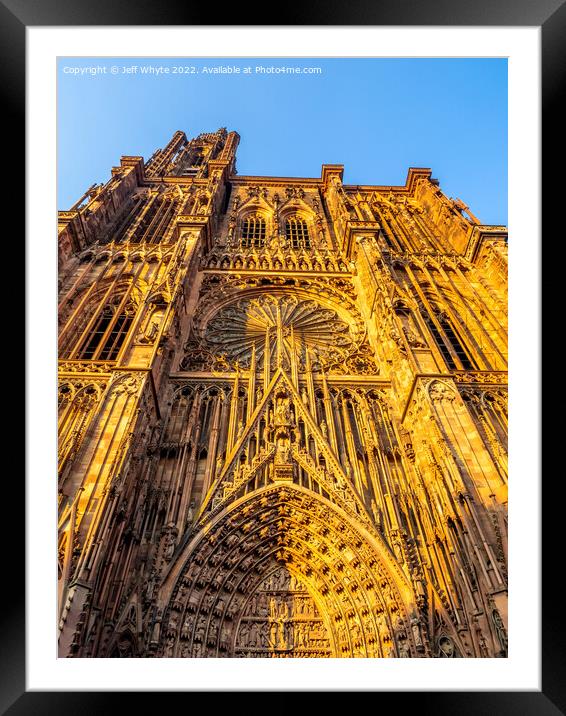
298, 448
280, 327
257, 549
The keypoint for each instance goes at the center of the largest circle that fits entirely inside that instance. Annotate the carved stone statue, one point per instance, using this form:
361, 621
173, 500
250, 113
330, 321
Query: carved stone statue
283, 450
446, 647
417, 636
190, 513
500, 630
170, 541
283, 411
323, 377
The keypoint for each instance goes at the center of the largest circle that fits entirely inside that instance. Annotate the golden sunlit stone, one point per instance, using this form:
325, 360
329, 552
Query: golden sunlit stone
282, 415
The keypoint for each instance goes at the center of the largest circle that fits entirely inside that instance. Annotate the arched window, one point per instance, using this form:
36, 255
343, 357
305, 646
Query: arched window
155, 220
106, 333
297, 233
453, 339
253, 232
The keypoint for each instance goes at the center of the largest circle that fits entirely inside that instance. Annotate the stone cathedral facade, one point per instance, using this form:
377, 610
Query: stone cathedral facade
282, 415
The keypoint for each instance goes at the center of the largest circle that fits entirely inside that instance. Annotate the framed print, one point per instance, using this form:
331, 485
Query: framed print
282, 396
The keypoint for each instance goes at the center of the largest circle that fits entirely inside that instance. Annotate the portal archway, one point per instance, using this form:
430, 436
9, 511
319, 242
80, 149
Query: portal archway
284, 572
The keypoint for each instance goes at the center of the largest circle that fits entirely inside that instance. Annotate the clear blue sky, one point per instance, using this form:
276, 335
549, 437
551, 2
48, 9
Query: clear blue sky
378, 117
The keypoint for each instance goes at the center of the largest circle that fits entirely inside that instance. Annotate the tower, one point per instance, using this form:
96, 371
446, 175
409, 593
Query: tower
282, 415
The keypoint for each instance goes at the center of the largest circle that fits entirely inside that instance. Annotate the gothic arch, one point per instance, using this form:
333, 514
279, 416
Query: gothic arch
307, 485
137, 256
362, 600
124, 641
87, 255
303, 221
124, 645
253, 228
297, 208
93, 330
258, 208
126, 281
77, 404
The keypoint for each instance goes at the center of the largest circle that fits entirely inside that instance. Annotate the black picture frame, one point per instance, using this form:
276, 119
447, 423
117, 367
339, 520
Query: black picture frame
15, 17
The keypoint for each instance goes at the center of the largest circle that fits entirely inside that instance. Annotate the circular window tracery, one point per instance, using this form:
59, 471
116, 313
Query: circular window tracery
280, 326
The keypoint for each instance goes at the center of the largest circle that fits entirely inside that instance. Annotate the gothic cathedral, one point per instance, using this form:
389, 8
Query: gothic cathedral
282, 415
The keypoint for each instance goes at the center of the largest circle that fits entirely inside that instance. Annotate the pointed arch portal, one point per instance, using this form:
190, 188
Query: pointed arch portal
285, 573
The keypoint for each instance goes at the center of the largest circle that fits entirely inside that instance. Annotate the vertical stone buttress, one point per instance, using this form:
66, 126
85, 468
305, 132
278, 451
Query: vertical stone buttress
433, 285
129, 246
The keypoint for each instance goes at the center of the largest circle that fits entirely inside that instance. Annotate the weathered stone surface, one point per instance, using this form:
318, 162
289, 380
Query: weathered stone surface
283, 416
